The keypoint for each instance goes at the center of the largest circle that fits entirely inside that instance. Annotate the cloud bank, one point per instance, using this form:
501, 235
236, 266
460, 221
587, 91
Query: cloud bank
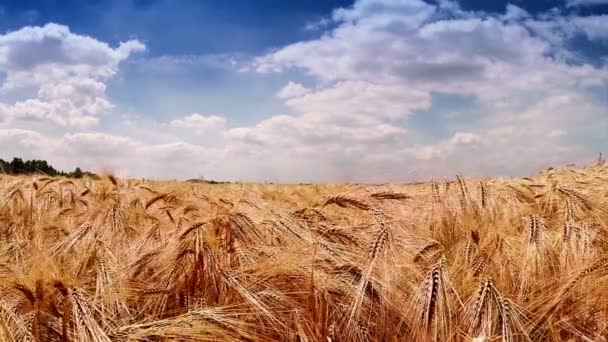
380, 100
62, 74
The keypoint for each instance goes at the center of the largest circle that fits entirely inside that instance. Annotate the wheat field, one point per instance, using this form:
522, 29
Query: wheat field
453, 260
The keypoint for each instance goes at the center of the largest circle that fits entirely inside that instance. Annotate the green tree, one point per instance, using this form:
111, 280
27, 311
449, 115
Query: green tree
36, 166
77, 173
17, 166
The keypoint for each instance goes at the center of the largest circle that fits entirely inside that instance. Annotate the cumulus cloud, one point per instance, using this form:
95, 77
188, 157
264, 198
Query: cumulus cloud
23, 138
292, 89
287, 131
200, 123
65, 71
371, 109
384, 60
54, 49
359, 99
559, 29
62, 111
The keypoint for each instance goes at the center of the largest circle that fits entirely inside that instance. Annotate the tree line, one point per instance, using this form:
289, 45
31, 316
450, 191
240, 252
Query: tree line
17, 166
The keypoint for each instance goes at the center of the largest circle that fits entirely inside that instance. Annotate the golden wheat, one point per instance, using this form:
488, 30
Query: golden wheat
485, 260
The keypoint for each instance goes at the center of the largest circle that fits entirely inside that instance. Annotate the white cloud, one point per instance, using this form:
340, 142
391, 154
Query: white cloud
594, 27
100, 151
293, 132
135, 158
515, 13
77, 89
559, 29
384, 59
98, 144
40, 54
373, 13
576, 3
22, 137
200, 123
61, 112
346, 100
370, 110
292, 89
459, 141
68, 70
23, 143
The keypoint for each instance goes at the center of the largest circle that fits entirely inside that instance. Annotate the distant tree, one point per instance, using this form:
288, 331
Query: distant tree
19, 167
77, 173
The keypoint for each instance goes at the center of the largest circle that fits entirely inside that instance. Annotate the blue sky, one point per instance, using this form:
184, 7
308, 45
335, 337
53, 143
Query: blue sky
179, 27
310, 91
